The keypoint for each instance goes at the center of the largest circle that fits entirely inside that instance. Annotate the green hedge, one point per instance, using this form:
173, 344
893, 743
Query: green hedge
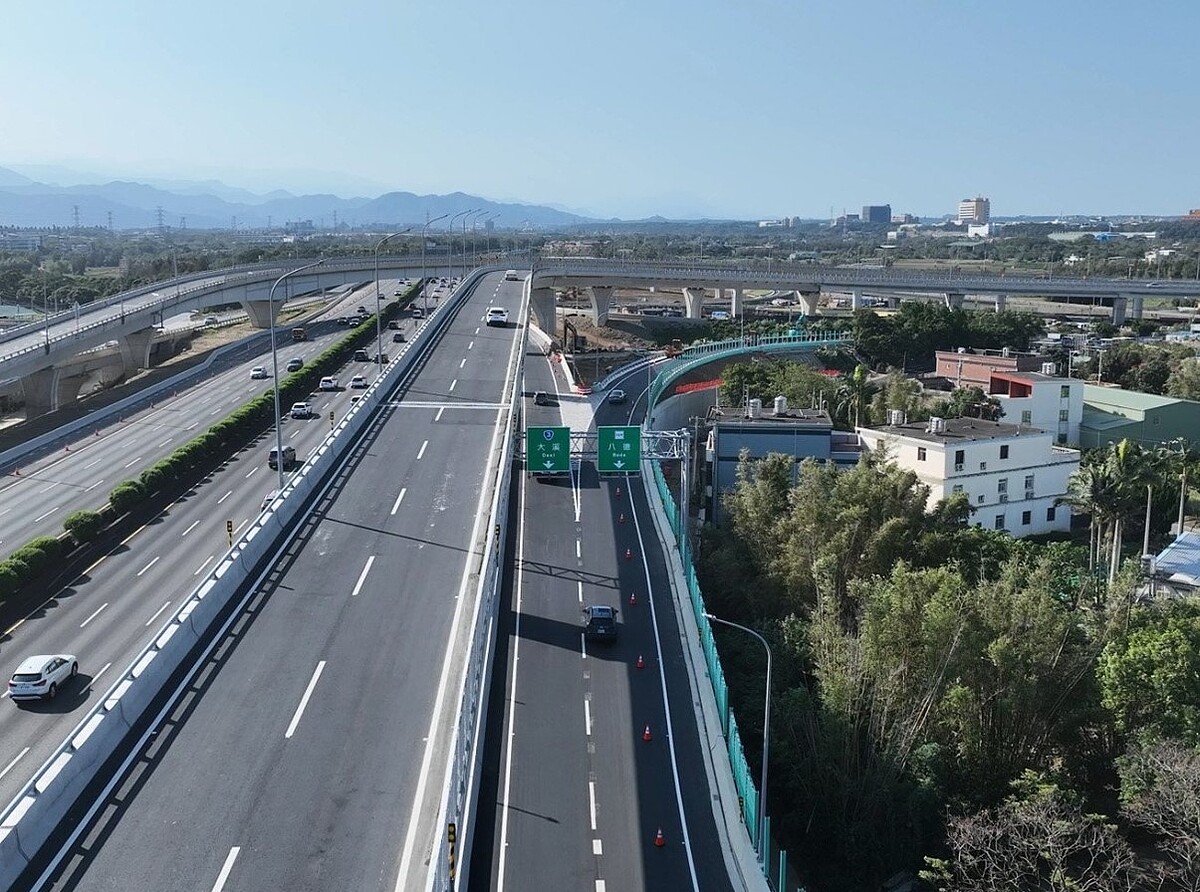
84, 526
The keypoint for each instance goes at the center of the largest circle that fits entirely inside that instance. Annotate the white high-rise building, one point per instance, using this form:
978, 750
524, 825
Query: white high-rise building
975, 210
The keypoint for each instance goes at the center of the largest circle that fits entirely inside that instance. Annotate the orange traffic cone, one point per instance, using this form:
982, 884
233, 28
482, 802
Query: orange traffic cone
628, 554
618, 490
621, 519
646, 735
641, 664
659, 842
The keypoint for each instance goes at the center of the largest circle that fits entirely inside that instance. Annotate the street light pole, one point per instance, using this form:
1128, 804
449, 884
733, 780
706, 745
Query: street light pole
275, 367
762, 797
450, 253
424, 287
378, 313
469, 215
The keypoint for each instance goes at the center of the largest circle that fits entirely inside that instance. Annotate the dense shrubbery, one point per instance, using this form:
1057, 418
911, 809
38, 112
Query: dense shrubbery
84, 526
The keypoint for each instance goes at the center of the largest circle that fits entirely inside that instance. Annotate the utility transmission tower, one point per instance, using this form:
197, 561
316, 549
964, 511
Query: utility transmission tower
335, 221
75, 215
110, 221
183, 222
158, 213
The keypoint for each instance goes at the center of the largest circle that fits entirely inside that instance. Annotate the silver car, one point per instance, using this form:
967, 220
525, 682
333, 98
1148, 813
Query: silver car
41, 677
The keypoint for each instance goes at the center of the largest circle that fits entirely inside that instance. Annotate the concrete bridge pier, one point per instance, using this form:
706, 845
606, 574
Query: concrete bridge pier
601, 301
737, 307
1135, 305
1120, 307
259, 312
1001, 303
693, 300
856, 300
808, 301
46, 390
542, 302
954, 300
135, 350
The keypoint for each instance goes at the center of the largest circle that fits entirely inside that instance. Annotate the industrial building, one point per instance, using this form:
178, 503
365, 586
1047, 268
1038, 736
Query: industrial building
1111, 414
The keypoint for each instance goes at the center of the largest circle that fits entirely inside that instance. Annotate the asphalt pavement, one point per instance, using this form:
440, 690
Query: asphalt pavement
573, 795
295, 760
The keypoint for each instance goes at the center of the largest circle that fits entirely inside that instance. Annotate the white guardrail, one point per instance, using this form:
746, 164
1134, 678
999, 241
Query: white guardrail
49, 796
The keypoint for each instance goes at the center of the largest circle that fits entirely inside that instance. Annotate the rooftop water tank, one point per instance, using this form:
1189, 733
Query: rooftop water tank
754, 409
780, 404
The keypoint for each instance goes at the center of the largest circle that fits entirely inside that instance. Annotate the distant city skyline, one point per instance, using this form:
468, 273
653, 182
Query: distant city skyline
761, 109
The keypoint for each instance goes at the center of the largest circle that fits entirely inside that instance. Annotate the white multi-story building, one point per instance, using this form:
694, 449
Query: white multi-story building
1041, 400
1013, 475
974, 210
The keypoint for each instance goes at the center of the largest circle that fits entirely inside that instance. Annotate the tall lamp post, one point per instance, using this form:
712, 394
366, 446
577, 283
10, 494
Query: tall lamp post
484, 219
275, 366
424, 288
468, 217
762, 796
378, 321
450, 232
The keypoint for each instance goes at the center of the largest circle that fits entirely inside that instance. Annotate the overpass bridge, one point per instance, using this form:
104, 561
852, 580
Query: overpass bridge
41, 355
600, 277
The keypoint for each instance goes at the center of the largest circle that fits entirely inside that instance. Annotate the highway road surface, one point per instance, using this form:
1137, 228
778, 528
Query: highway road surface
295, 760
573, 797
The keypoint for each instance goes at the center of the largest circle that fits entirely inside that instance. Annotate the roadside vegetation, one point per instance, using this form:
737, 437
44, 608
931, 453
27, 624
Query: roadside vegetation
996, 713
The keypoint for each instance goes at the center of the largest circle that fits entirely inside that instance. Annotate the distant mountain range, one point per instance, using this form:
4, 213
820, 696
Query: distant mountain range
210, 204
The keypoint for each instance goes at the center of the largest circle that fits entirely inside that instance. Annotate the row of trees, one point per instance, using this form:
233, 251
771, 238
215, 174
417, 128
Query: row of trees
951, 699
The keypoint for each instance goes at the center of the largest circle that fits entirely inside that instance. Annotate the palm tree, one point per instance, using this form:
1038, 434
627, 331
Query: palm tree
1133, 469
1092, 491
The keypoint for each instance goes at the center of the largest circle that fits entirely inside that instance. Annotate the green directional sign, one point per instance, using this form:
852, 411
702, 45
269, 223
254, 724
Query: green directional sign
548, 450
620, 449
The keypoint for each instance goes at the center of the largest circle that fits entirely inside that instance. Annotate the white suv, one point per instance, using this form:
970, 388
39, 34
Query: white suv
497, 316
301, 410
42, 677
328, 383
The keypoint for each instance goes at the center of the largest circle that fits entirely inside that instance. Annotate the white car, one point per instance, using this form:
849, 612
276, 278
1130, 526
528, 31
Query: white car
497, 316
301, 410
258, 372
358, 382
328, 383
42, 677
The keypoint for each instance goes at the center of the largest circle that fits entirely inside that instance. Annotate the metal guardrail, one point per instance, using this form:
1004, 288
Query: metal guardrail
786, 274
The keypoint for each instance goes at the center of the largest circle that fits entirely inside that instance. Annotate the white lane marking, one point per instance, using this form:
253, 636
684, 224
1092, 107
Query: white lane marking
399, 499
192, 425
582, 646
597, 849
215, 411
237, 529
94, 615
165, 442
476, 330
592, 802
470, 346
205, 564
362, 577
587, 716
293, 435
132, 463
157, 612
453, 384
16, 759
226, 868
463, 363
224, 497
312, 683
578, 548
421, 451
580, 584
47, 489
44, 516
662, 677
92, 463
600, 887
148, 566
94, 485
438, 416
252, 470
195, 523
103, 669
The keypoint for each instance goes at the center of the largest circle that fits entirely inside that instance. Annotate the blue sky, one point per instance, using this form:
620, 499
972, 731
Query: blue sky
748, 109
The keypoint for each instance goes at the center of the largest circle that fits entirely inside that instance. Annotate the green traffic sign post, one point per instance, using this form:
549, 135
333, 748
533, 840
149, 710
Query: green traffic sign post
548, 450
619, 449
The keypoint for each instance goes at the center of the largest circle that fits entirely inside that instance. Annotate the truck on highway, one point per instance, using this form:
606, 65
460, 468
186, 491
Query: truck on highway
299, 334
